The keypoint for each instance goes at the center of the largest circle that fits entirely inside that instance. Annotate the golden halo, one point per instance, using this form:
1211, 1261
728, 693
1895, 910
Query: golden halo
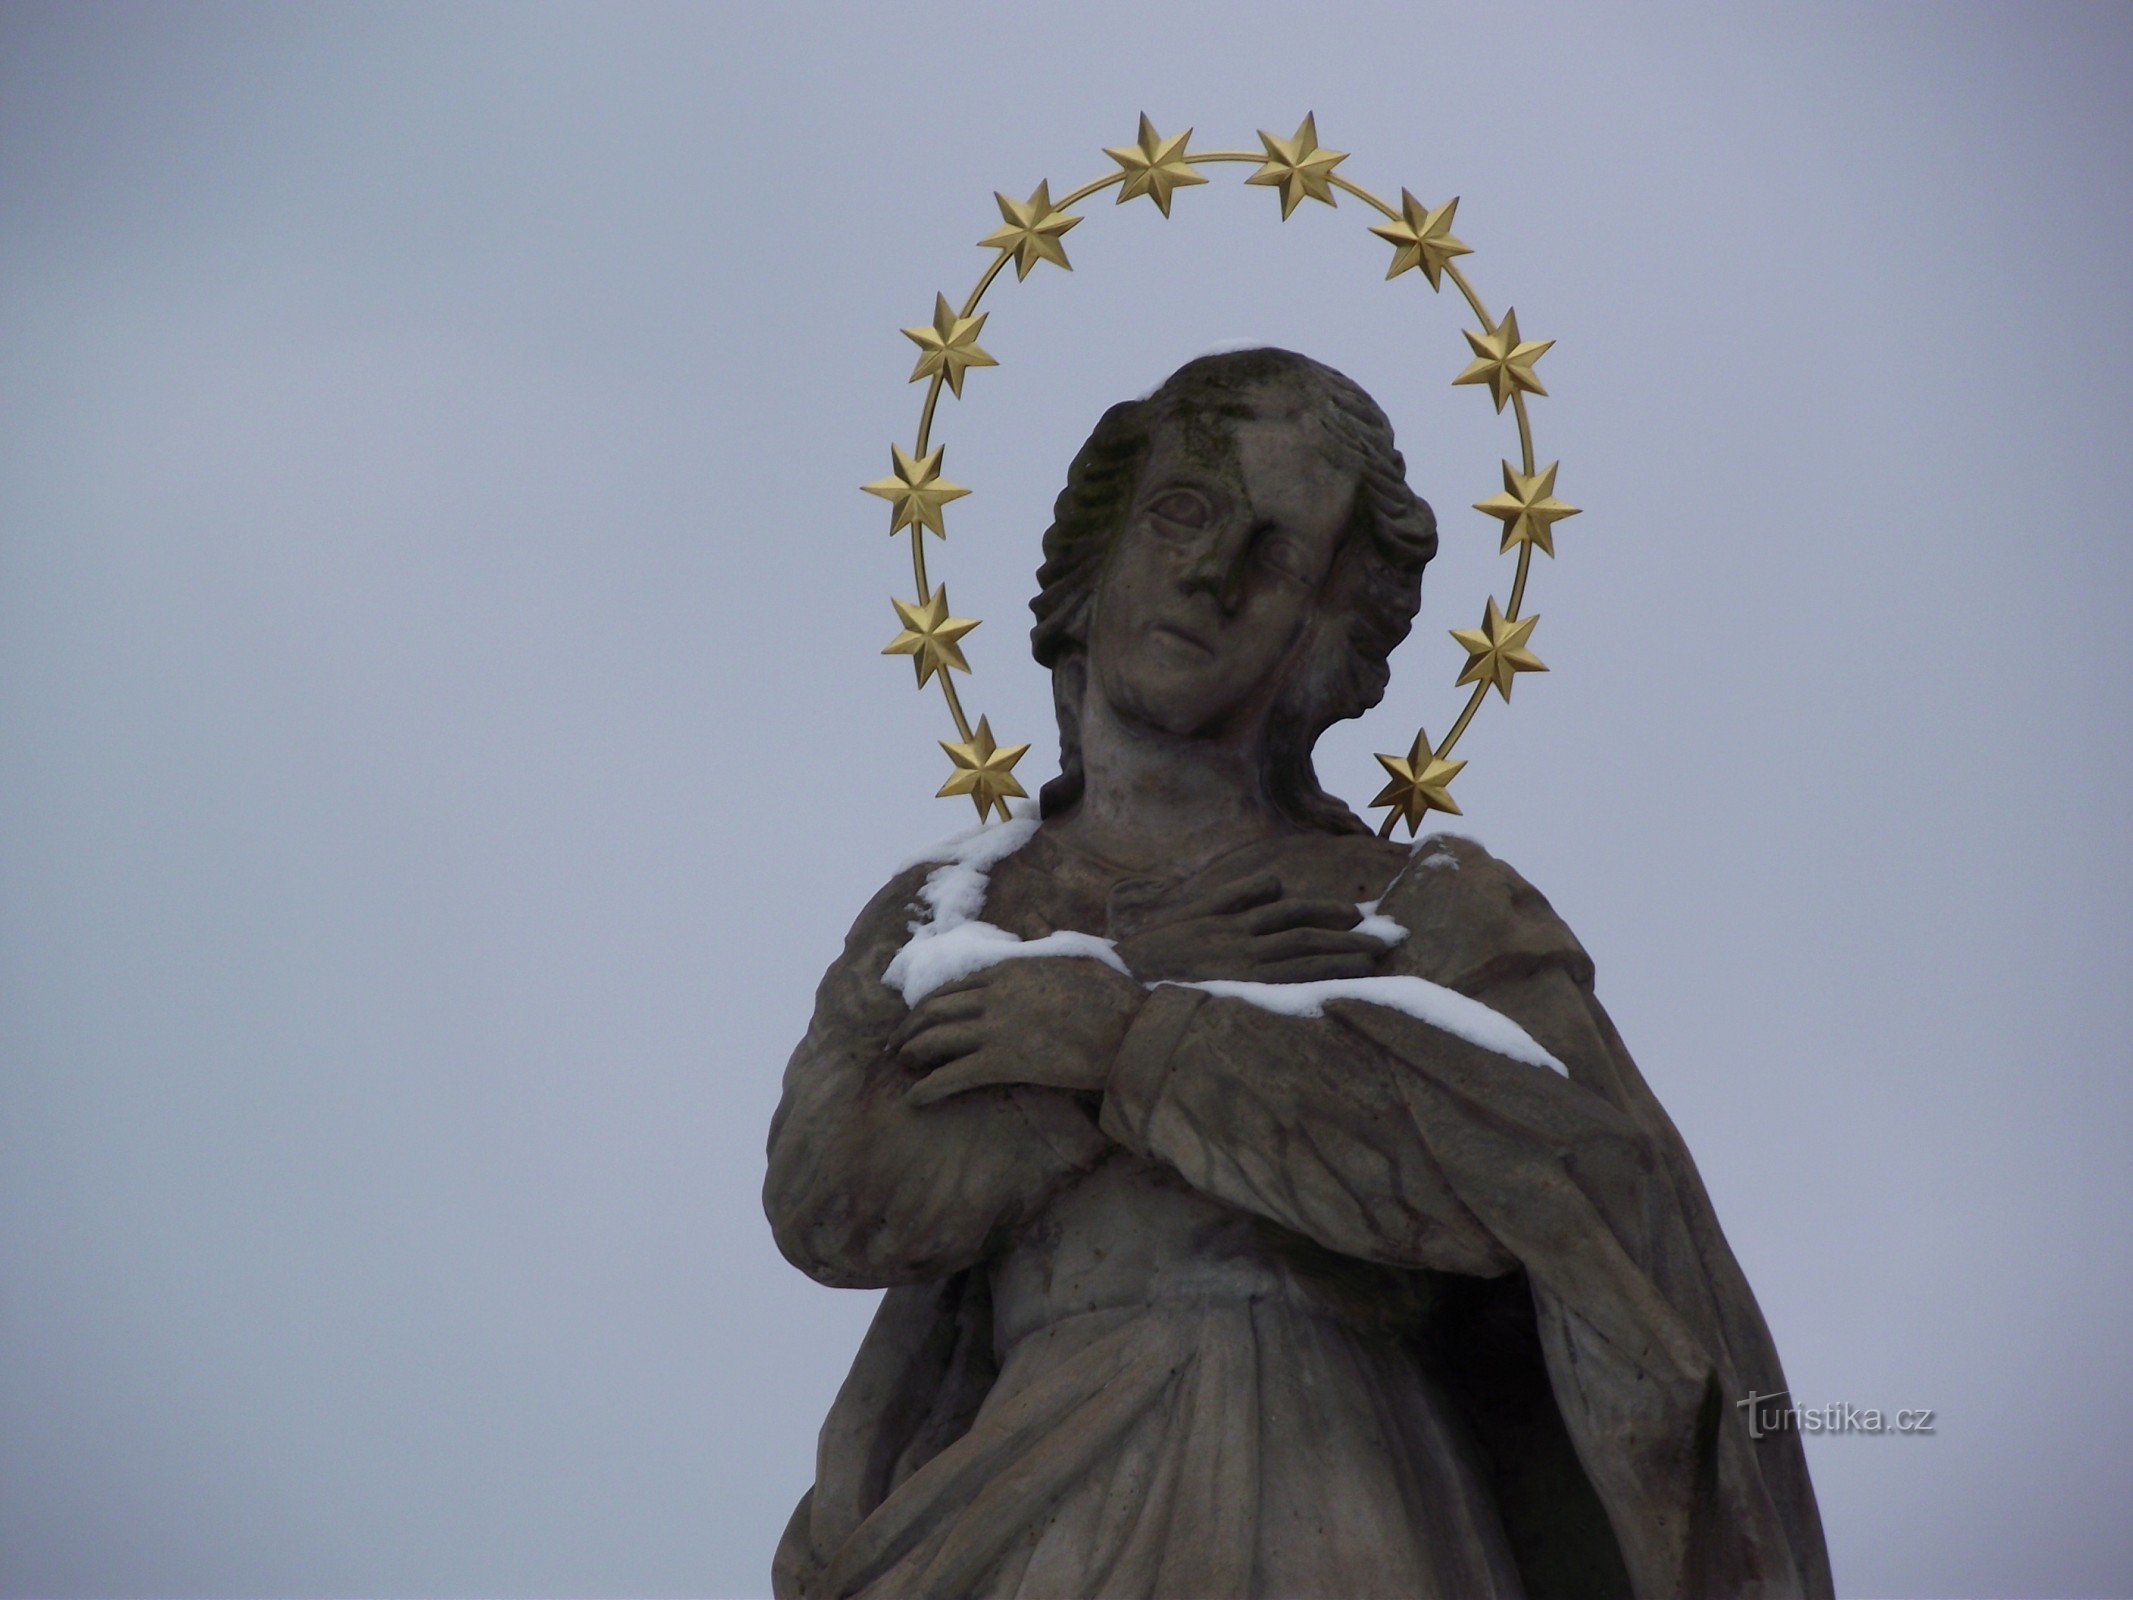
1156, 166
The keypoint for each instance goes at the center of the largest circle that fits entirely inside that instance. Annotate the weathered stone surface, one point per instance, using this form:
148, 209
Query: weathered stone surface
1194, 1297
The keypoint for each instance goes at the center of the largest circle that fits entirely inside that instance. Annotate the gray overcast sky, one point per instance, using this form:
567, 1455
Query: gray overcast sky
444, 736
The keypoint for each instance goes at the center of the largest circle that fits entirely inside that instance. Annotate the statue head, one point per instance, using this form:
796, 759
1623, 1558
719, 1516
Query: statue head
1238, 550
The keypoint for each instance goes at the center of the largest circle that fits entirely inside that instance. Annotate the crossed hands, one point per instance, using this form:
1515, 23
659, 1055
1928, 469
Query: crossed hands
1057, 1022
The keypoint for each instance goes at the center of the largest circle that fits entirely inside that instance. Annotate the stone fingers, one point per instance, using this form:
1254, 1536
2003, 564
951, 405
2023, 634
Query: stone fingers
1259, 890
1295, 943
1302, 914
980, 1069
943, 1005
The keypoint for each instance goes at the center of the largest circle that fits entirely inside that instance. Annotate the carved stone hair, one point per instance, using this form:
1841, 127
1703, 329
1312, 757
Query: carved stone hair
1364, 608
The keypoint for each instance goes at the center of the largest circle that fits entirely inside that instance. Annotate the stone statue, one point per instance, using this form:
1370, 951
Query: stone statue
1266, 1208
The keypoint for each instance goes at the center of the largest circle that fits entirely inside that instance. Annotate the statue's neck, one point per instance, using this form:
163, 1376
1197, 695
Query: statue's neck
1152, 799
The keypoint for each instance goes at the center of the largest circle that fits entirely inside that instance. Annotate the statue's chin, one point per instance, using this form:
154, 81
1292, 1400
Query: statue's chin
1141, 705
1180, 700
1179, 722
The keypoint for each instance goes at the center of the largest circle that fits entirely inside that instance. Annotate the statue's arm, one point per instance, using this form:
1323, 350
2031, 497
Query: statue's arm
1297, 1119
1360, 1128
866, 1189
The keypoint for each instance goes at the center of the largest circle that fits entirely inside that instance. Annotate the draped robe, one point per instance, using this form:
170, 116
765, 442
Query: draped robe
1335, 1305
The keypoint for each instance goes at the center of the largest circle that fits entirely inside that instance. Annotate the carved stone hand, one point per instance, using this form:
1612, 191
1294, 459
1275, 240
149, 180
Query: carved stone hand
1052, 1021
1251, 932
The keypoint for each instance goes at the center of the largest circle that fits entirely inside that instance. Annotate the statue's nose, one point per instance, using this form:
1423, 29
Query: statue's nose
1218, 569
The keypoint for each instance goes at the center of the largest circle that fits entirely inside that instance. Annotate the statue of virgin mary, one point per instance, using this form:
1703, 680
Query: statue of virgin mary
1266, 1208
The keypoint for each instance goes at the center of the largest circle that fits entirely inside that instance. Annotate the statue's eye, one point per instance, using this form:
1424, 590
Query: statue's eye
1181, 507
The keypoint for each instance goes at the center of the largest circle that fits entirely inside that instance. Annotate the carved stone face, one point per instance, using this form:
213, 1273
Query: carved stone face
1210, 584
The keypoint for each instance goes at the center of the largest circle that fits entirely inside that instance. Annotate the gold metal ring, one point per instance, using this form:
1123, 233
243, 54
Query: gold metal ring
1156, 166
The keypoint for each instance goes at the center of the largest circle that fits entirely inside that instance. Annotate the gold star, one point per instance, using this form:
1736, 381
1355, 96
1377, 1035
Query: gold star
1528, 508
1155, 166
930, 636
1496, 651
1032, 232
949, 346
1422, 238
1420, 784
1503, 361
984, 771
1298, 166
917, 491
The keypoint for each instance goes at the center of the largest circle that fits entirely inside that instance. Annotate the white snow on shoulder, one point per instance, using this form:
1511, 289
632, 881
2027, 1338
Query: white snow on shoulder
1428, 1002
957, 845
949, 942
954, 891
1434, 851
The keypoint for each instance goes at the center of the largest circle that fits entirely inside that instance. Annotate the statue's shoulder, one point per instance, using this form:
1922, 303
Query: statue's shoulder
944, 883
884, 923
1473, 920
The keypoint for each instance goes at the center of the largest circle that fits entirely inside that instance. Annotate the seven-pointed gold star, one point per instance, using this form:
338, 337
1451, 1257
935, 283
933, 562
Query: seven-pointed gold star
1496, 651
984, 771
1298, 166
1422, 238
917, 491
1155, 166
1528, 508
1032, 232
931, 636
949, 346
1503, 361
1420, 784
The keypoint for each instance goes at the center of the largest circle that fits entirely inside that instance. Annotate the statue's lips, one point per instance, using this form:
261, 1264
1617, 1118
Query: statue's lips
1173, 631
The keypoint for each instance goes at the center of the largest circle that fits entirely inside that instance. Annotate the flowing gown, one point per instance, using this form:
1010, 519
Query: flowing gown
1336, 1305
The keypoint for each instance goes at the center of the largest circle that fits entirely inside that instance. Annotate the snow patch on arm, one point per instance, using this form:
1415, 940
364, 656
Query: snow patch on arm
1383, 929
933, 960
1457, 1014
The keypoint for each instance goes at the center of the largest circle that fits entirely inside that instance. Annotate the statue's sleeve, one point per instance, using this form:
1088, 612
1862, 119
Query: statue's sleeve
866, 1190
1353, 1127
